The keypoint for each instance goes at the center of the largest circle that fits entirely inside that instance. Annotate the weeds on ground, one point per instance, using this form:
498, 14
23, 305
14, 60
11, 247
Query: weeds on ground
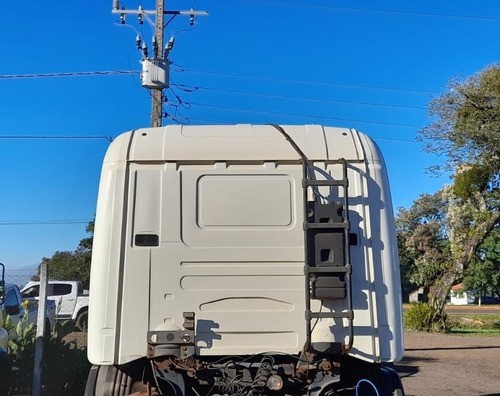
421, 317
483, 324
64, 366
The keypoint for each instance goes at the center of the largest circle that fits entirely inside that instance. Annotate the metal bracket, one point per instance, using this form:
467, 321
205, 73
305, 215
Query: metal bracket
180, 343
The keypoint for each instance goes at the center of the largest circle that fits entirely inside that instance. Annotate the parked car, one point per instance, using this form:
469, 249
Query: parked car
13, 305
487, 300
70, 298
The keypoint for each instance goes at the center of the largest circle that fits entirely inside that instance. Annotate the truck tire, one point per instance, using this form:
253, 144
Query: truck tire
107, 380
390, 379
82, 320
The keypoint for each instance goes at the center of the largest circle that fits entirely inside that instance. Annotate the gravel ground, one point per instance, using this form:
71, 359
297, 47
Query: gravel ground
439, 364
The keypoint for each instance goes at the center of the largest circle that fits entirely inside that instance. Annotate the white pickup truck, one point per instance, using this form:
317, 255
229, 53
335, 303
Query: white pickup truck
69, 296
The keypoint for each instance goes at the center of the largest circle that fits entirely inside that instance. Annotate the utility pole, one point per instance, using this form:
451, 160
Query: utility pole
157, 94
155, 70
41, 330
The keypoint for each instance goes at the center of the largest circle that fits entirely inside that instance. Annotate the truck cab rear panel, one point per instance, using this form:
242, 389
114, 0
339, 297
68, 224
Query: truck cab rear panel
209, 221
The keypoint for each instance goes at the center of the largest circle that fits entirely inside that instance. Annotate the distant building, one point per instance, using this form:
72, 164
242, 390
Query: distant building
419, 295
460, 296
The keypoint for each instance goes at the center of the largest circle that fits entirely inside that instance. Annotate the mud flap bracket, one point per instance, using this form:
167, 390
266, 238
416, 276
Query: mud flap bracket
180, 343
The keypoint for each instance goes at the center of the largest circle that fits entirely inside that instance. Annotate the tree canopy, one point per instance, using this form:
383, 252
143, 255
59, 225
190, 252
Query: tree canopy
423, 239
483, 273
72, 265
466, 122
445, 232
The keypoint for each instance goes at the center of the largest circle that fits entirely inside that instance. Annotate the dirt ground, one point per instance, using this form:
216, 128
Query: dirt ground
439, 364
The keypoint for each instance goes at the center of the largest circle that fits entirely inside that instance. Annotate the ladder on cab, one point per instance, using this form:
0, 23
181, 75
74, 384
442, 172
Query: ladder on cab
327, 251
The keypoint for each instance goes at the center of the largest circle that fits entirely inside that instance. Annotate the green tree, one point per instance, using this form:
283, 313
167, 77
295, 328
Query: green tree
466, 129
406, 265
72, 265
483, 273
423, 239
467, 122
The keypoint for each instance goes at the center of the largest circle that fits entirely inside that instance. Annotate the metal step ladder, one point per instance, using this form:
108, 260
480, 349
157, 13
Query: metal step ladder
327, 252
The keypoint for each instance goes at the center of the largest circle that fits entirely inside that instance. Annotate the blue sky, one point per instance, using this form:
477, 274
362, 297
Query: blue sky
373, 66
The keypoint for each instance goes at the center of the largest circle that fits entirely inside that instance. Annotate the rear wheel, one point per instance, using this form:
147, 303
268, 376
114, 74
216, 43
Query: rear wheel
107, 380
82, 320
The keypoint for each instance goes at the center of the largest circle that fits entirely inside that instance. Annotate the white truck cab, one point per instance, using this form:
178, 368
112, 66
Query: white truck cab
244, 260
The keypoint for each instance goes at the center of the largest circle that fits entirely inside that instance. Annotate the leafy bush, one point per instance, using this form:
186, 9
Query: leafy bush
64, 366
8, 324
423, 317
22, 353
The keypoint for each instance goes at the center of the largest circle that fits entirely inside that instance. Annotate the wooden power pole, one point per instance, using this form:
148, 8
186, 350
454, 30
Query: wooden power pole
155, 70
157, 94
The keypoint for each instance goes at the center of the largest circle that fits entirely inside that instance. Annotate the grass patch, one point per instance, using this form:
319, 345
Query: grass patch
482, 324
481, 332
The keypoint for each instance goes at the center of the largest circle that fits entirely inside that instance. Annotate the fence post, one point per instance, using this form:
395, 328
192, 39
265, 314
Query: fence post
40, 333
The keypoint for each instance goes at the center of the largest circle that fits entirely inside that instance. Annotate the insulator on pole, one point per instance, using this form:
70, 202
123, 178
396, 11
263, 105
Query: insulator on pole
122, 16
191, 18
169, 46
144, 49
155, 47
140, 16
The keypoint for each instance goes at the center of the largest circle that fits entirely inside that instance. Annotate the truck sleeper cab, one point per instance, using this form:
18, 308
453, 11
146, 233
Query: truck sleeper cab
245, 259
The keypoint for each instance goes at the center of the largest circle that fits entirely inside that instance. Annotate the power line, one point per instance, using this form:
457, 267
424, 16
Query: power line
395, 139
303, 115
301, 97
222, 74
67, 74
97, 73
55, 137
373, 137
43, 222
380, 11
309, 82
